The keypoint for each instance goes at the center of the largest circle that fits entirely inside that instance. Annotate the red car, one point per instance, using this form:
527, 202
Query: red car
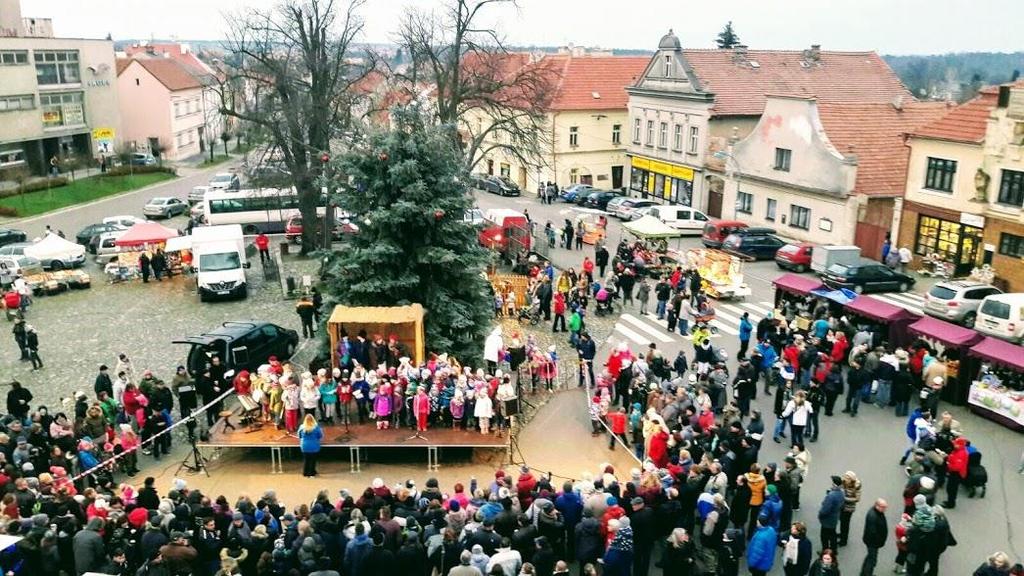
342, 226
795, 257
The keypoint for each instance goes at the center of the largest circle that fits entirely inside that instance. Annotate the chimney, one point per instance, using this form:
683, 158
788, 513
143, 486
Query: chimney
739, 53
10, 18
813, 56
897, 102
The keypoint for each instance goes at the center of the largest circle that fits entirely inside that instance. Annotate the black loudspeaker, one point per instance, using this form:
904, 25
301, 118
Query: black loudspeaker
512, 407
516, 356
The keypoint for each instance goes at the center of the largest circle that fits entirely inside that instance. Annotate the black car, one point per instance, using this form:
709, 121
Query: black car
240, 346
753, 243
86, 235
866, 276
501, 186
599, 199
10, 236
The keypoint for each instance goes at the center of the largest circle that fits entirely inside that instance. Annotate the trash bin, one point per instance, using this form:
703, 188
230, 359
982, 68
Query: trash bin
290, 283
284, 248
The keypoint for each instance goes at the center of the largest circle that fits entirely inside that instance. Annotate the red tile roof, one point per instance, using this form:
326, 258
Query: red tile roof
122, 63
606, 77
171, 73
172, 50
965, 123
740, 88
874, 133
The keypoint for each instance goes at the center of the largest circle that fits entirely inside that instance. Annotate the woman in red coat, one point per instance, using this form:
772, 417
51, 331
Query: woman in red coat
658, 451
243, 386
956, 471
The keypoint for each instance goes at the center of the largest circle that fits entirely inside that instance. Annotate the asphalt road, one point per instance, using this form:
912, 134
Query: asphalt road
870, 444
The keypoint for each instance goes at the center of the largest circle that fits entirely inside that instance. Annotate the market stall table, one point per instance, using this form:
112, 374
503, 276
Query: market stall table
896, 319
956, 340
999, 399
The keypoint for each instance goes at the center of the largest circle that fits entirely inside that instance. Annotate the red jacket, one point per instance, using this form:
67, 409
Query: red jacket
588, 265
524, 487
956, 462
262, 242
792, 356
617, 421
12, 300
559, 303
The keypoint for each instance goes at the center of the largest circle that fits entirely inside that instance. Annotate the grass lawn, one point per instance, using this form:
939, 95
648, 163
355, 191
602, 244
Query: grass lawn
80, 191
217, 159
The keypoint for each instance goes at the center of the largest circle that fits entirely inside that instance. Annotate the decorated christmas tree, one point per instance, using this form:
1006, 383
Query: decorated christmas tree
409, 193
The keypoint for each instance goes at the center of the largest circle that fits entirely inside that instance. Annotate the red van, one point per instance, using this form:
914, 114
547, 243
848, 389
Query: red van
716, 231
506, 231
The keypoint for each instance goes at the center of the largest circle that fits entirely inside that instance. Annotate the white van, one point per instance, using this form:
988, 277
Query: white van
683, 218
1002, 316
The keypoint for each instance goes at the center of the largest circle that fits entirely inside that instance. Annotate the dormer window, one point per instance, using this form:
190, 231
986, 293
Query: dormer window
667, 66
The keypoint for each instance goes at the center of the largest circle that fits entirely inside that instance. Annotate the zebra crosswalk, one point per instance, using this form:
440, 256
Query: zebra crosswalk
905, 300
642, 329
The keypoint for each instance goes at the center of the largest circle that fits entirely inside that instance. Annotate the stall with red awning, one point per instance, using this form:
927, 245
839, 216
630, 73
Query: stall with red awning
944, 332
144, 233
795, 284
997, 394
895, 318
957, 340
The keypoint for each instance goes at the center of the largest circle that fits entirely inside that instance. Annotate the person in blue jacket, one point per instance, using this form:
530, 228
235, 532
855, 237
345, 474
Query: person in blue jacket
828, 514
771, 509
310, 435
761, 550
746, 328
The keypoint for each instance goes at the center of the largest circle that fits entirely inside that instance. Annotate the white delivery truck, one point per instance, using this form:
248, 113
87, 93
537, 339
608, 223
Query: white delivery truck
824, 256
218, 255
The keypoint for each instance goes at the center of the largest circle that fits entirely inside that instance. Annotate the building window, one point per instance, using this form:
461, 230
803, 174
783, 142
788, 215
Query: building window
1011, 188
782, 158
939, 175
60, 110
694, 140
15, 157
636, 130
799, 217
574, 176
574, 136
937, 236
769, 212
57, 67
663, 135
505, 170
177, 109
616, 134
13, 57
17, 102
650, 133
666, 67
744, 202
1011, 245
677, 137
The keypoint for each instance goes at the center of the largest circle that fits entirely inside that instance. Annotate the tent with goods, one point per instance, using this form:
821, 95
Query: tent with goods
146, 233
648, 227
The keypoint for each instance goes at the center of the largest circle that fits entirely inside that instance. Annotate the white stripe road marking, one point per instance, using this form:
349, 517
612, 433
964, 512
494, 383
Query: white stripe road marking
741, 311
719, 315
909, 298
763, 310
654, 332
915, 309
640, 340
724, 327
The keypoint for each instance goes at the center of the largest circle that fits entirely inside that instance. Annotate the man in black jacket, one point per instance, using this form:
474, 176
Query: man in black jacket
103, 382
643, 524
544, 295
586, 350
876, 531
18, 399
601, 259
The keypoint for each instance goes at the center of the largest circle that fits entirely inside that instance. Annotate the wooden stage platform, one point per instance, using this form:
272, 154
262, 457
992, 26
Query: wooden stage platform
357, 438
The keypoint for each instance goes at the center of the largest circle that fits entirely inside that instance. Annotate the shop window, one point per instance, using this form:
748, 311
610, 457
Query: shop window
939, 175
616, 134
937, 236
636, 130
60, 110
14, 157
574, 136
1011, 188
744, 202
782, 159
770, 208
1011, 245
57, 67
799, 217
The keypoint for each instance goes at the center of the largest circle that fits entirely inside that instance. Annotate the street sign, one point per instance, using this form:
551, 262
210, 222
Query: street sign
104, 139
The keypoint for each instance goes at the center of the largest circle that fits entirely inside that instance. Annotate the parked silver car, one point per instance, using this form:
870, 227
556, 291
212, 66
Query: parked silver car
957, 301
164, 207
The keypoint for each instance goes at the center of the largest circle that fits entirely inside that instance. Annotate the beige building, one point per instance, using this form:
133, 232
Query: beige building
825, 173
54, 93
965, 187
585, 125
689, 104
168, 105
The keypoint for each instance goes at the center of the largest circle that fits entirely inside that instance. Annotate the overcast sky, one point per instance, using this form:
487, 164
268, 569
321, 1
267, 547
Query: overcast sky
888, 26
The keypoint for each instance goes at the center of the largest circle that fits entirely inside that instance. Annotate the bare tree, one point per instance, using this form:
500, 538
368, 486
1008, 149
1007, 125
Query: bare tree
297, 65
475, 77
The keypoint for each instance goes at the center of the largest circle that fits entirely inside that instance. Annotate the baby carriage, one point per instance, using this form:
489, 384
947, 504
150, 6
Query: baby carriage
977, 476
704, 315
530, 314
603, 299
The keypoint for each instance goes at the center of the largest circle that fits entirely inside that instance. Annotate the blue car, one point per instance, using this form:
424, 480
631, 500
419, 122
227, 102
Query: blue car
753, 243
572, 193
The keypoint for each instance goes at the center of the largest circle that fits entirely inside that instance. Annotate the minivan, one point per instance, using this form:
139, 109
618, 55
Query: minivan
682, 218
1002, 316
717, 231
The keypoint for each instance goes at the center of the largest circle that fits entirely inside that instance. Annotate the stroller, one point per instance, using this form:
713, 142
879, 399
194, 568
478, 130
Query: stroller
705, 315
977, 476
604, 299
530, 313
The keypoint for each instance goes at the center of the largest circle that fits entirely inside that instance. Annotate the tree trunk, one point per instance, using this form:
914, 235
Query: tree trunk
309, 194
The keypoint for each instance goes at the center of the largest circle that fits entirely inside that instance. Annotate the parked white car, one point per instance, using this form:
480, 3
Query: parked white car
225, 181
54, 252
126, 221
1002, 316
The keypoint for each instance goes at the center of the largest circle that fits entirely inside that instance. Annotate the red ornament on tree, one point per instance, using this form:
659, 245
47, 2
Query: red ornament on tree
383, 156
438, 214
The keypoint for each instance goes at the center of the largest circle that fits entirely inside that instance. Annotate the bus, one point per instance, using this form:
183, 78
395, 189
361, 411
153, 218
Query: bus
260, 210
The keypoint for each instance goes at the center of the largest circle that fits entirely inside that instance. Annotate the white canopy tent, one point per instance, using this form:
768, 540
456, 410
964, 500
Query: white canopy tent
52, 247
650, 227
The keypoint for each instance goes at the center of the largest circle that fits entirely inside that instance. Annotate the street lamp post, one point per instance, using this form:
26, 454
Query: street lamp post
737, 173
